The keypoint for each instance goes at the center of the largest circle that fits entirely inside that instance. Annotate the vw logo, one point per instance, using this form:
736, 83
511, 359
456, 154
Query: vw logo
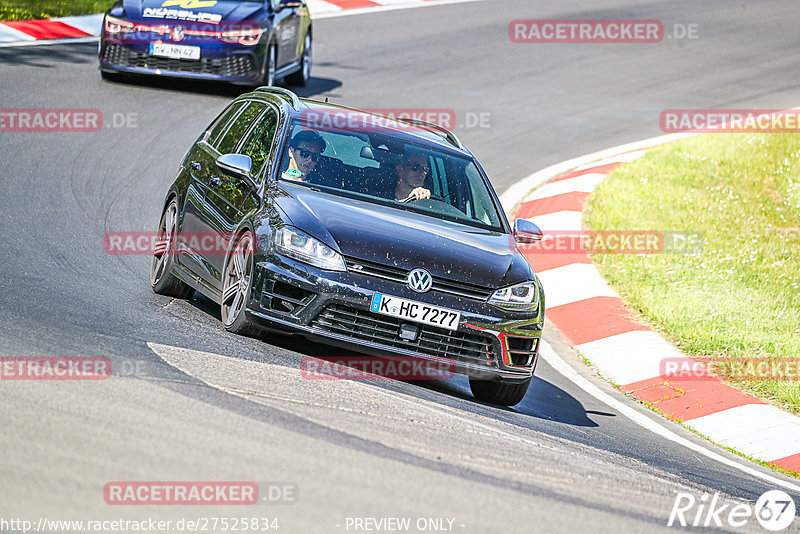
420, 280
177, 34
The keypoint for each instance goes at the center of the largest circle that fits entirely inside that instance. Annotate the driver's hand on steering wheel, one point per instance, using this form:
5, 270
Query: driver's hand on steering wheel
418, 193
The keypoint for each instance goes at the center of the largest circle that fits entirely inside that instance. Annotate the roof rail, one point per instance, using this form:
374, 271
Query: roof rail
444, 132
282, 92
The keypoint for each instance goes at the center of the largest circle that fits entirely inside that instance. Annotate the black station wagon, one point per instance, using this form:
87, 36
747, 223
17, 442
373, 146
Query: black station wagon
353, 229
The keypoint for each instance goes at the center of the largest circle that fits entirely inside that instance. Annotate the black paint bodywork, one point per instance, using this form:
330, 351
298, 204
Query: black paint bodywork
289, 295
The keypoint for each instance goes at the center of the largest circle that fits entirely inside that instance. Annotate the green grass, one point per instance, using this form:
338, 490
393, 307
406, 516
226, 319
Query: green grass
45, 9
740, 296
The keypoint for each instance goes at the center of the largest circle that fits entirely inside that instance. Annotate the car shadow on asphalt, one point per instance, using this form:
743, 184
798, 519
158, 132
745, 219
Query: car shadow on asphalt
315, 86
48, 56
544, 400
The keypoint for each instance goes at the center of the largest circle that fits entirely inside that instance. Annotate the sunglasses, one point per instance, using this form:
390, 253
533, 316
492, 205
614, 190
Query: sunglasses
418, 168
305, 154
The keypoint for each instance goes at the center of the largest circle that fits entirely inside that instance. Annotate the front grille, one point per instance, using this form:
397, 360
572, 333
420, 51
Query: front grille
233, 65
363, 325
451, 287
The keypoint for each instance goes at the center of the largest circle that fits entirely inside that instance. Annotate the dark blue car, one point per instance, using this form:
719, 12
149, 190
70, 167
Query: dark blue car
249, 42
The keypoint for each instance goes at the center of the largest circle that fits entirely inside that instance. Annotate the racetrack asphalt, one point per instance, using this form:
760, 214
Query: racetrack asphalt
561, 460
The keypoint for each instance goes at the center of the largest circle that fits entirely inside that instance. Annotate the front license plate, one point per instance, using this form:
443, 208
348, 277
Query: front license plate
174, 51
415, 311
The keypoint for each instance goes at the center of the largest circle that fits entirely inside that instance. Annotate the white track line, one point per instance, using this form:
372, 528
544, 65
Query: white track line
644, 421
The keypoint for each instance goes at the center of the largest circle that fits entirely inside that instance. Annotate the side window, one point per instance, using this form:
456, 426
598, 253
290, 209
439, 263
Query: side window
259, 140
230, 139
222, 121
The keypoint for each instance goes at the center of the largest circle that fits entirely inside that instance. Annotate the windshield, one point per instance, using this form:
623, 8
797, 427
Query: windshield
381, 167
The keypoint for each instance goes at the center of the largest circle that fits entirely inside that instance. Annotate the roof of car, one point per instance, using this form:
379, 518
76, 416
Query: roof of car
328, 115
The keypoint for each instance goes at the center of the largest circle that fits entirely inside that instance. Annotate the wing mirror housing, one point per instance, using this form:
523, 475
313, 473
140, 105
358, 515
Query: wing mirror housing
237, 165
526, 232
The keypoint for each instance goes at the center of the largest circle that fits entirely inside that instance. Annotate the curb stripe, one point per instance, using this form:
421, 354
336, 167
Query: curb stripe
792, 463
574, 283
633, 356
10, 35
585, 183
352, 4
544, 261
606, 168
572, 201
561, 221
687, 399
593, 319
46, 29
758, 430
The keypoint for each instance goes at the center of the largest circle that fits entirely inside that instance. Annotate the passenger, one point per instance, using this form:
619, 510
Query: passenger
305, 149
410, 177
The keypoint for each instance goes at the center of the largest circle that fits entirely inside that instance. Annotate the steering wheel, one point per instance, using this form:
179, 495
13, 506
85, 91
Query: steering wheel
432, 197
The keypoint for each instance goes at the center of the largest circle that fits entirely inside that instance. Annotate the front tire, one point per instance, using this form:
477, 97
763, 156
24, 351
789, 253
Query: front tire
499, 391
271, 65
302, 76
237, 281
161, 278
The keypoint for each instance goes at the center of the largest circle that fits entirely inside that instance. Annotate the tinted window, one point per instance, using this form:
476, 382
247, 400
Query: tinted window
222, 122
259, 140
238, 129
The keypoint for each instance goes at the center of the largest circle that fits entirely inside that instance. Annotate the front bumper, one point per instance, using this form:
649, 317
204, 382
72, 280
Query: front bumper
334, 307
220, 63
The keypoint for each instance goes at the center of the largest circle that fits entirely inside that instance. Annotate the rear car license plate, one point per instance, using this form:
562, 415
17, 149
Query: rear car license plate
174, 51
415, 311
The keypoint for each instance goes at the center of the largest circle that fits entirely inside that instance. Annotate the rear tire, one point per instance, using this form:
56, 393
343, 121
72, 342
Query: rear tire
499, 391
161, 278
302, 76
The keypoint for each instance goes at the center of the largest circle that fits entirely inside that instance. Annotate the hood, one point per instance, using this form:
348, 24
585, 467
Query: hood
190, 11
407, 240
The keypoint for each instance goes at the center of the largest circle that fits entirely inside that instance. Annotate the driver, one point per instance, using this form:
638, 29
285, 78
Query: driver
410, 177
305, 149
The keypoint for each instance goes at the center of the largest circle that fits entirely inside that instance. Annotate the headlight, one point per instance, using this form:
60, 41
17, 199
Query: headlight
115, 25
521, 297
301, 246
246, 37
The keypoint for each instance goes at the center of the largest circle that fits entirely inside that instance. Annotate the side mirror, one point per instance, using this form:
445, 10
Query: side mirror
526, 232
237, 165
366, 153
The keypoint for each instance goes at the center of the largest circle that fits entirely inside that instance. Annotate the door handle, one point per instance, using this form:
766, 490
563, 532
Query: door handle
196, 166
215, 181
